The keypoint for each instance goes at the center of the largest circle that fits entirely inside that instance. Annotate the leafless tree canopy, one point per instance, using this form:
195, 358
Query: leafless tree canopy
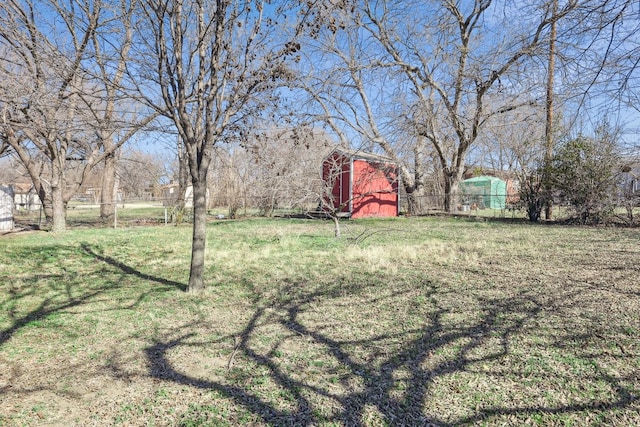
62, 111
429, 79
210, 68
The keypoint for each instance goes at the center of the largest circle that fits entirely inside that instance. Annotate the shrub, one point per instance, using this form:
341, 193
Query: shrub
584, 173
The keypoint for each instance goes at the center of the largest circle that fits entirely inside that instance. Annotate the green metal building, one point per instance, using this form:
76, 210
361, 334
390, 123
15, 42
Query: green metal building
484, 192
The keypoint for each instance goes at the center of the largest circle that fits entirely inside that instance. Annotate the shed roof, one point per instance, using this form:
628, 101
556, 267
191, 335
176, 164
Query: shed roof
358, 154
22, 187
483, 178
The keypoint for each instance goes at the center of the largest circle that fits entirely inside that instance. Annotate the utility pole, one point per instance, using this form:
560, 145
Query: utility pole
549, 107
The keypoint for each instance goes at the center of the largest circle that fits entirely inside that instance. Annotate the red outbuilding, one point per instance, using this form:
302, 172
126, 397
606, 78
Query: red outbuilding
360, 184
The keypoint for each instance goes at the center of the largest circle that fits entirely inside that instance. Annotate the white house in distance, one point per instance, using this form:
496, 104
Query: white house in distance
630, 184
170, 195
25, 197
6, 208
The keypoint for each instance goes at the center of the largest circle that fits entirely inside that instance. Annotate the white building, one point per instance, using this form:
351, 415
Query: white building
6, 208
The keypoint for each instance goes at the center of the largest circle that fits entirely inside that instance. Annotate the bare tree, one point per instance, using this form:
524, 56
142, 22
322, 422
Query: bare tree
212, 64
140, 173
274, 168
600, 51
593, 52
284, 167
116, 115
334, 171
511, 141
351, 96
40, 114
230, 179
453, 65
53, 107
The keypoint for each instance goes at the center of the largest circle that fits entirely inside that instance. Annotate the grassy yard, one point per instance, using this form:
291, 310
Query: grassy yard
408, 321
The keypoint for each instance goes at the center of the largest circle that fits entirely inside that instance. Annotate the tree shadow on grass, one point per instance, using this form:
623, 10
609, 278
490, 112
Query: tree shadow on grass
47, 307
48, 279
60, 286
130, 270
416, 363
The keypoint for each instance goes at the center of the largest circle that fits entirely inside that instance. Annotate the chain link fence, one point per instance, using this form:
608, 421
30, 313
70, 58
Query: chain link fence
622, 208
163, 211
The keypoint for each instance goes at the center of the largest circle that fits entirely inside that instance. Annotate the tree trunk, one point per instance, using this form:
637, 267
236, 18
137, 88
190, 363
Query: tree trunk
336, 226
109, 188
196, 275
59, 223
451, 182
416, 199
415, 203
414, 185
45, 200
58, 203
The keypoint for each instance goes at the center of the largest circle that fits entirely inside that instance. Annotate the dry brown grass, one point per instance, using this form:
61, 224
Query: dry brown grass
448, 322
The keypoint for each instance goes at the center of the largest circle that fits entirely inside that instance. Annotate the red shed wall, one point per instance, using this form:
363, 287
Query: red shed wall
374, 191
